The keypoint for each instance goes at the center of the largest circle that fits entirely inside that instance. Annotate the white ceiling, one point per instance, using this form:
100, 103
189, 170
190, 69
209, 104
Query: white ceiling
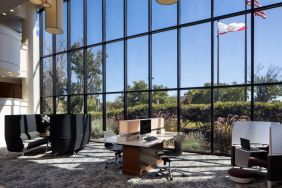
6, 5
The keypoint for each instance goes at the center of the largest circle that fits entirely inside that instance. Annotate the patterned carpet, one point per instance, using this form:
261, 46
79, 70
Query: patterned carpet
86, 169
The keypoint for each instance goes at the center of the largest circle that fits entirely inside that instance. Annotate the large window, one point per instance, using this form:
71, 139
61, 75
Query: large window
137, 21
137, 64
94, 21
127, 59
61, 40
114, 67
196, 56
164, 60
76, 23
114, 19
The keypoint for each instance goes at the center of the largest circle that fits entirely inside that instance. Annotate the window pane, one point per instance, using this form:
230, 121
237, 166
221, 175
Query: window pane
77, 106
222, 7
94, 68
114, 68
61, 74
268, 67
196, 116
76, 23
94, 21
115, 110
61, 40
165, 106
196, 56
47, 40
192, 10
163, 15
114, 19
77, 72
137, 63
268, 2
137, 105
61, 103
268, 103
231, 48
164, 59
47, 82
137, 17
48, 105
233, 105
95, 108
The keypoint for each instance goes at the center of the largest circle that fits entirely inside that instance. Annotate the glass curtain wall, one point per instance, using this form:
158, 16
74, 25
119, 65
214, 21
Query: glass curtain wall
127, 59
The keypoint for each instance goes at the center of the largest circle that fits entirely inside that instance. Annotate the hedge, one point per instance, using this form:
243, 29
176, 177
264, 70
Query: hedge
266, 111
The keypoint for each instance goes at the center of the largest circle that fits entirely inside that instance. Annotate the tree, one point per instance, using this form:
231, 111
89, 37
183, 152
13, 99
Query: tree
267, 93
137, 98
203, 96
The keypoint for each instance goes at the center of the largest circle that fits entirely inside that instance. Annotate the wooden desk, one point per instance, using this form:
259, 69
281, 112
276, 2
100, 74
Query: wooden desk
139, 155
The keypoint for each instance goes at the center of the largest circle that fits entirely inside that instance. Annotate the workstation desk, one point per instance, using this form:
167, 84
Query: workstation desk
139, 155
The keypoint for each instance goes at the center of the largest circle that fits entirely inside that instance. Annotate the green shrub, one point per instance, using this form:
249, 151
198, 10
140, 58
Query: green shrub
198, 116
97, 127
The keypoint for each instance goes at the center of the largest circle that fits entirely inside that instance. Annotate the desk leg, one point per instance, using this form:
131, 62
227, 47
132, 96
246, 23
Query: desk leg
131, 162
138, 159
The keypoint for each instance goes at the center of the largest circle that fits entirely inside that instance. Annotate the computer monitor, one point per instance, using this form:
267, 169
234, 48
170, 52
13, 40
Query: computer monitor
145, 127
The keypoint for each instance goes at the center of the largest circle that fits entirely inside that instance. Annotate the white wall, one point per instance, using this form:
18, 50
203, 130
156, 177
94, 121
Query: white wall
24, 57
10, 45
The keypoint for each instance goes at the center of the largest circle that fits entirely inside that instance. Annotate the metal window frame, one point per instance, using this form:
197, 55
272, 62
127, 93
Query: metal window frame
148, 34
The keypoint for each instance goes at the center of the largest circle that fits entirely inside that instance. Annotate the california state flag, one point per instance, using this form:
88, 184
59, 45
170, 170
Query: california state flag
224, 28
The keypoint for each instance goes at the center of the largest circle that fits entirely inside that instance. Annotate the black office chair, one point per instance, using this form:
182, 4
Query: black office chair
169, 155
117, 149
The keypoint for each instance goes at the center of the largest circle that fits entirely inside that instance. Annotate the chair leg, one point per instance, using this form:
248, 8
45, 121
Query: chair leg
169, 172
115, 161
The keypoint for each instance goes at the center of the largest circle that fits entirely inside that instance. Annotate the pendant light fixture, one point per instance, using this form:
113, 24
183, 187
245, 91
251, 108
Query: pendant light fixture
47, 3
36, 2
167, 2
54, 17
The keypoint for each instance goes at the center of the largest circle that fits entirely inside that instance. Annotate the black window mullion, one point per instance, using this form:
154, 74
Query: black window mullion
178, 65
104, 63
150, 58
246, 56
252, 60
85, 62
125, 59
54, 73
68, 56
212, 78
41, 60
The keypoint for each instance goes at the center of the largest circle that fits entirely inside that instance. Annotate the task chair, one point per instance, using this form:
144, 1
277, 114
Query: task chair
117, 149
169, 155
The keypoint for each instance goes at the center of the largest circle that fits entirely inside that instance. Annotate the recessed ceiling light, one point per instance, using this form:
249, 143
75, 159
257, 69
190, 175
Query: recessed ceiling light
12, 10
4, 14
3, 76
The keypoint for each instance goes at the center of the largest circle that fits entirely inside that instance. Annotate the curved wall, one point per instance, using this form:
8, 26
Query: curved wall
10, 45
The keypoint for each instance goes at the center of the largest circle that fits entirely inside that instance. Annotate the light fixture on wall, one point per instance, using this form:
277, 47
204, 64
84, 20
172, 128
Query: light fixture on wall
36, 2
167, 2
47, 3
54, 17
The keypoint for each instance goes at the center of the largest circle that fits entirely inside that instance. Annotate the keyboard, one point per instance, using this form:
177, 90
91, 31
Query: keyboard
150, 138
255, 149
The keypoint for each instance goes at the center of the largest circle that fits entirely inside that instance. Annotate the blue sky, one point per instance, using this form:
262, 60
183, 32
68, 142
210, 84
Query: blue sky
195, 41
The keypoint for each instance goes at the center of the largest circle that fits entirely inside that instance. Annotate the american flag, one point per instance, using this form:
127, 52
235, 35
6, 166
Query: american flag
257, 5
